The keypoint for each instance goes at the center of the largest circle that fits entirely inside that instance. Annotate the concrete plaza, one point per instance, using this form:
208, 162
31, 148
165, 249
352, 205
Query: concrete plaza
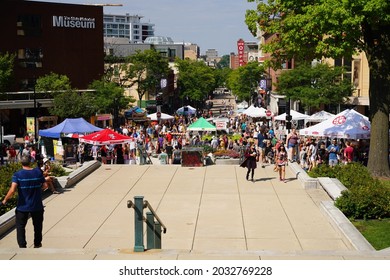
210, 212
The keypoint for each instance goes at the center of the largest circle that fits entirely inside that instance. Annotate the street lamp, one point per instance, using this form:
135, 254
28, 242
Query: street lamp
35, 113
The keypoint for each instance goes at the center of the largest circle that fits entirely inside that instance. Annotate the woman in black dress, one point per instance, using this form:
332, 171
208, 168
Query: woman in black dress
250, 160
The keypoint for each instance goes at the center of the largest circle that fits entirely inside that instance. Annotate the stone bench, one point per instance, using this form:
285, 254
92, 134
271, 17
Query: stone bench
77, 175
332, 186
307, 181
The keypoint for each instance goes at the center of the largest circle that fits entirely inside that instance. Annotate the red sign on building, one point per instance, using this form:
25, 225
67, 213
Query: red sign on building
241, 53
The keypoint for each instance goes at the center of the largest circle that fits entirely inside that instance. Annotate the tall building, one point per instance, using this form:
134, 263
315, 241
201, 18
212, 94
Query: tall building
191, 51
66, 39
127, 26
246, 52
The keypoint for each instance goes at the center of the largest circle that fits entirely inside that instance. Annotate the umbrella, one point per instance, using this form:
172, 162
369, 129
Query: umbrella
164, 116
348, 124
190, 110
201, 125
105, 137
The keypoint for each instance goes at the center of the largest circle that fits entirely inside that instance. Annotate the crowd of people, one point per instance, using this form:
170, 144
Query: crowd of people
166, 139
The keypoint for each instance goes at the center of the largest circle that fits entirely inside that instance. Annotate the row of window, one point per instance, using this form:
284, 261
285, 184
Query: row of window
116, 26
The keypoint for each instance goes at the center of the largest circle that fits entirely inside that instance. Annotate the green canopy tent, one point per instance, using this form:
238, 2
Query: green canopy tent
201, 125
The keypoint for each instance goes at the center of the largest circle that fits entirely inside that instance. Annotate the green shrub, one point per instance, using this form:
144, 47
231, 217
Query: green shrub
349, 175
354, 175
366, 197
365, 201
324, 170
6, 173
57, 170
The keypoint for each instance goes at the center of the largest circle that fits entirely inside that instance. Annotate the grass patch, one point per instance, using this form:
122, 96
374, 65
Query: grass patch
375, 231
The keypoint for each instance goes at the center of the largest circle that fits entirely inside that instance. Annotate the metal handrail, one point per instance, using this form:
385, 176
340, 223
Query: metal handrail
147, 205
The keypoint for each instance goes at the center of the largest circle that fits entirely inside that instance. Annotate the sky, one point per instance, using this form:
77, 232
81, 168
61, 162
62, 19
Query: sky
211, 24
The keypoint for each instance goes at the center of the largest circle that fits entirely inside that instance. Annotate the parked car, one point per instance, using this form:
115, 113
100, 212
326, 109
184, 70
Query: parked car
9, 139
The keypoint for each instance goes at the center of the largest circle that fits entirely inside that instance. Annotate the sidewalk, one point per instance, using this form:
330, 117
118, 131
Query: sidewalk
210, 212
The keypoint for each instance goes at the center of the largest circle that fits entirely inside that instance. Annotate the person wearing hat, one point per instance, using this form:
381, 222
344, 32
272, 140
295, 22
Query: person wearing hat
28, 183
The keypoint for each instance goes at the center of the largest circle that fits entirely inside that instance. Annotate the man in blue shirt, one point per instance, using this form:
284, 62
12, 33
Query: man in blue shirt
333, 151
28, 183
261, 144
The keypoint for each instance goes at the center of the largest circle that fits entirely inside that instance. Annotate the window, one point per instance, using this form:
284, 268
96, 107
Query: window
29, 25
30, 57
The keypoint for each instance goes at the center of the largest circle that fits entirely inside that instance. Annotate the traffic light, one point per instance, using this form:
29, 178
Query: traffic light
159, 99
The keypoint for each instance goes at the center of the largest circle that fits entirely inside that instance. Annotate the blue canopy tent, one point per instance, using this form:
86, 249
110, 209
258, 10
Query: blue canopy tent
137, 110
77, 126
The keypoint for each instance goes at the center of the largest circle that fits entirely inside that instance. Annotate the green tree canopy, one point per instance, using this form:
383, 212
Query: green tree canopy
309, 30
67, 103
244, 80
70, 104
145, 71
196, 79
109, 97
315, 86
6, 70
54, 83
221, 76
224, 62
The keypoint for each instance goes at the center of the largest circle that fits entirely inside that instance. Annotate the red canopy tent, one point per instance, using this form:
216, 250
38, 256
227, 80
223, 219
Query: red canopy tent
105, 137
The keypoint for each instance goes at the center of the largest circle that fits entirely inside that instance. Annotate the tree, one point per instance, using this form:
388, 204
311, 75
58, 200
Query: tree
309, 30
196, 80
70, 104
67, 103
51, 85
145, 70
221, 75
315, 86
244, 80
6, 70
224, 62
109, 97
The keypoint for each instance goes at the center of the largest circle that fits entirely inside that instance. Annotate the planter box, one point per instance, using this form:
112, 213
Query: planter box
192, 157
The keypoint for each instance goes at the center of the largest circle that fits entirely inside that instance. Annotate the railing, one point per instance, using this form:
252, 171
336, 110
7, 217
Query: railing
153, 223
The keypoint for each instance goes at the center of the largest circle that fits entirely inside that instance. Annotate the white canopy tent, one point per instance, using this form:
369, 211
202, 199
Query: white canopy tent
164, 116
242, 105
348, 124
319, 116
296, 116
255, 112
